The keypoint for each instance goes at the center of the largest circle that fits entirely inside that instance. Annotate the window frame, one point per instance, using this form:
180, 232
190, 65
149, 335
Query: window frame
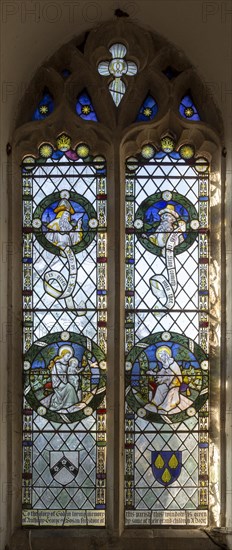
118, 140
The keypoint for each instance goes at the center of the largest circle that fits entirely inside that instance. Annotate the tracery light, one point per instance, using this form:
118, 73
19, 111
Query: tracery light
45, 106
116, 68
84, 107
148, 109
187, 108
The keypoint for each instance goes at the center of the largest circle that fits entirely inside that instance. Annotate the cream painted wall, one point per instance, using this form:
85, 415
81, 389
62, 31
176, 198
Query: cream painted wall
31, 32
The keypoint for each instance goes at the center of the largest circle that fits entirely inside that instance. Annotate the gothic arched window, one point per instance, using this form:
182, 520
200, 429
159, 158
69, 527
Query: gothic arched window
120, 123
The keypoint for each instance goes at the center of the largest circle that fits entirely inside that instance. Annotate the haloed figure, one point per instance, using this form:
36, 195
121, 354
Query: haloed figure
62, 232
169, 224
65, 380
168, 380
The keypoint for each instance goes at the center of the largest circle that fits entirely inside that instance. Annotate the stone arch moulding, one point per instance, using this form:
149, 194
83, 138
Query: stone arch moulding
117, 135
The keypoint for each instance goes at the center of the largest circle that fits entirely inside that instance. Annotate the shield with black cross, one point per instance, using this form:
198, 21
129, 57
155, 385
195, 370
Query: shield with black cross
64, 466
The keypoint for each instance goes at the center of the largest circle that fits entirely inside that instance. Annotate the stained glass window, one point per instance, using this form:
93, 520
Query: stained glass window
64, 335
187, 108
166, 336
148, 109
167, 304
65, 73
116, 68
45, 106
171, 73
84, 107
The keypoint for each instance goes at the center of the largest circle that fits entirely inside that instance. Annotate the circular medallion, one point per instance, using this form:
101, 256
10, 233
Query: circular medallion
189, 112
26, 365
93, 223
45, 150
194, 224
186, 151
204, 365
99, 162
166, 336
117, 67
138, 224
167, 195
66, 379
141, 412
166, 378
29, 163
41, 411
82, 150
191, 411
148, 151
201, 165
36, 223
63, 220
132, 164
160, 218
65, 336
64, 194
88, 411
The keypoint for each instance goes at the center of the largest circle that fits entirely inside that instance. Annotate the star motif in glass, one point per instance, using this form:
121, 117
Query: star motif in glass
84, 107
45, 107
148, 109
187, 109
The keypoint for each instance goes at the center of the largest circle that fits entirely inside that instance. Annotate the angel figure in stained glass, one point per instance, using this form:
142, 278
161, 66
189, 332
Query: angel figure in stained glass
165, 393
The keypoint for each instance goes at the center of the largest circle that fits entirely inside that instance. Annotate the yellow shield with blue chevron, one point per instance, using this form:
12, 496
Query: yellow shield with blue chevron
166, 466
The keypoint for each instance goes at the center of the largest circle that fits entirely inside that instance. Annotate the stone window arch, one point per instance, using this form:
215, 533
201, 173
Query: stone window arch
117, 135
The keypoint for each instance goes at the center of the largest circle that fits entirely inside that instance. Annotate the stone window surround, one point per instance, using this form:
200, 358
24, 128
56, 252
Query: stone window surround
116, 138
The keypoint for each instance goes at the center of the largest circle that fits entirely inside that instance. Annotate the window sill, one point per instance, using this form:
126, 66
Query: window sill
49, 539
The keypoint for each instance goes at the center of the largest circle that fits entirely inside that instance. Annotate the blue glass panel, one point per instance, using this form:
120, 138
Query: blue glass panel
170, 73
45, 107
65, 73
84, 107
187, 108
148, 109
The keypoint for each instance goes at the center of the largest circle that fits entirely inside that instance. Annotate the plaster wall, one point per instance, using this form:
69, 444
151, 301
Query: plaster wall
31, 32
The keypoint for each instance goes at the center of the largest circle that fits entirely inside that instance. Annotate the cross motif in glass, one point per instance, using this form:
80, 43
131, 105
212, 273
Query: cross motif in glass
117, 67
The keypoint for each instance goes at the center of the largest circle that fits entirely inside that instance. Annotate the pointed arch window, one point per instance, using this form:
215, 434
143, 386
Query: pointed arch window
70, 171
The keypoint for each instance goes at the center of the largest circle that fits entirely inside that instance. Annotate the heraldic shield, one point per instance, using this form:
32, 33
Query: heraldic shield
166, 466
64, 466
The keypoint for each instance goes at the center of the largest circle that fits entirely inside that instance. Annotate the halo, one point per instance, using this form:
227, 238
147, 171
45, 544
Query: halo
163, 348
66, 348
